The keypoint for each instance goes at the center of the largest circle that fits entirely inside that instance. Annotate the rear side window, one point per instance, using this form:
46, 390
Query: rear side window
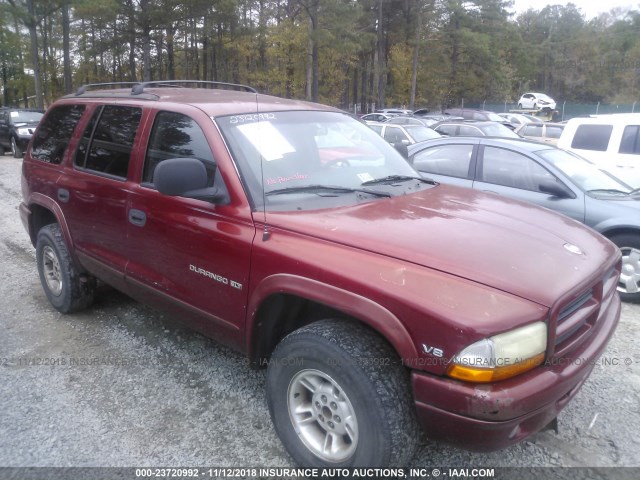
52, 138
467, 131
175, 135
592, 137
630, 140
107, 142
450, 160
532, 130
394, 135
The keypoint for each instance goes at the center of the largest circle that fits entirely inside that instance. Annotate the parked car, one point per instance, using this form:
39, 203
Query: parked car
406, 120
377, 117
16, 128
463, 128
517, 119
395, 111
546, 176
536, 101
477, 115
433, 118
376, 299
610, 141
403, 134
546, 132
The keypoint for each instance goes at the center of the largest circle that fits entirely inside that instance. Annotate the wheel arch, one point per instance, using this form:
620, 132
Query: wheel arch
283, 303
44, 211
614, 231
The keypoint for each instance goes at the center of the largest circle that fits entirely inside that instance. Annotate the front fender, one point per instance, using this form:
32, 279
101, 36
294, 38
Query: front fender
357, 306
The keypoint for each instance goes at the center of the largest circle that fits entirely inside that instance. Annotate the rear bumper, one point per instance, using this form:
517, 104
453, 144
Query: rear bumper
485, 417
25, 216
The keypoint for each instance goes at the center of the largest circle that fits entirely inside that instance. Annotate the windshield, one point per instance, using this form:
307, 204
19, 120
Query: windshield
420, 133
20, 116
584, 174
298, 153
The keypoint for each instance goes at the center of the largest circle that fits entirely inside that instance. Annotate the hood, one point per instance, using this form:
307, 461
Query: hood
506, 244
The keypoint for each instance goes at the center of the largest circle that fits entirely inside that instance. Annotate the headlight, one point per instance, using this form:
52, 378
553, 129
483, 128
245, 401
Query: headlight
501, 356
23, 131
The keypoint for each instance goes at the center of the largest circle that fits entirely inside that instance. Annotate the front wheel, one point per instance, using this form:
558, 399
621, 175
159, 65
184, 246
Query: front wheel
339, 397
66, 288
629, 282
15, 149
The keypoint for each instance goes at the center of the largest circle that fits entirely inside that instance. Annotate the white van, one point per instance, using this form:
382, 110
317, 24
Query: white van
610, 141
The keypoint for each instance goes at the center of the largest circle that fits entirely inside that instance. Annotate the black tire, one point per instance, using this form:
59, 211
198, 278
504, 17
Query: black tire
368, 380
15, 149
519, 106
629, 245
67, 289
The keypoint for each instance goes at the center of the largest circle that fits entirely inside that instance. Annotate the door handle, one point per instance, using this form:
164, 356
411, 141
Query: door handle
137, 217
63, 195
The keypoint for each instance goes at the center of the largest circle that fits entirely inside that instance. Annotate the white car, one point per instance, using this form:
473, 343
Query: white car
536, 101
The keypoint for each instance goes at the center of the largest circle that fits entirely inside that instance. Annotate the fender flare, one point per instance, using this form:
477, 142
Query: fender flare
48, 203
364, 309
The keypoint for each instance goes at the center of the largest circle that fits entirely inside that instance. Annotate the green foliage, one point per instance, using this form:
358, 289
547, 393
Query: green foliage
468, 50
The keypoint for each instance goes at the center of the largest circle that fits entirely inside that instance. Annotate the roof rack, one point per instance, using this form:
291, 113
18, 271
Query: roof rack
83, 89
137, 88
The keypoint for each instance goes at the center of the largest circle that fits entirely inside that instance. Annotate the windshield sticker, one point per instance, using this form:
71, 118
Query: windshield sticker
276, 180
365, 177
267, 140
251, 117
15, 114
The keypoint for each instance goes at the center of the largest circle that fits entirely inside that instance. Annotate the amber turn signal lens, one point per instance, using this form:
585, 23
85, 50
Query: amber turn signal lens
486, 375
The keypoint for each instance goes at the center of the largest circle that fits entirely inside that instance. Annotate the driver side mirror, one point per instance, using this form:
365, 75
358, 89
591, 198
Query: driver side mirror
186, 177
556, 189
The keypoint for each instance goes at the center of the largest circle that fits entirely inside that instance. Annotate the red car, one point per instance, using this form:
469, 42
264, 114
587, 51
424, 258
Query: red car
378, 300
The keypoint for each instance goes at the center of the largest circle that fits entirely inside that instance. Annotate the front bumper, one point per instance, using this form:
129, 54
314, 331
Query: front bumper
22, 141
485, 417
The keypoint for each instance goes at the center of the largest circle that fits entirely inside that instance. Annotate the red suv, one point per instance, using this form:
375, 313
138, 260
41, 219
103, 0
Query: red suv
378, 300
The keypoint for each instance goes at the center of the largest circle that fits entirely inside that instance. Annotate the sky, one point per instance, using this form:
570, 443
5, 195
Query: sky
590, 8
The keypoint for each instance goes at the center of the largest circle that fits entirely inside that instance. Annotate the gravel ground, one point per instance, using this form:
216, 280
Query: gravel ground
174, 398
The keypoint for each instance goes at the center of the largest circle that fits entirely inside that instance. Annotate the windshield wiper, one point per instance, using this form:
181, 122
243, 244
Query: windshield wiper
327, 188
609, 190
398, 178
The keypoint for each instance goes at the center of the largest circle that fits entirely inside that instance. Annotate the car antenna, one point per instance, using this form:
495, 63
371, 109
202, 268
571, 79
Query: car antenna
266, 234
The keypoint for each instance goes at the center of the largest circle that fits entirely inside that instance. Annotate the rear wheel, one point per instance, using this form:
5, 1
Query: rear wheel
67, 289
519, 106
629, 282
15, 149
339, 397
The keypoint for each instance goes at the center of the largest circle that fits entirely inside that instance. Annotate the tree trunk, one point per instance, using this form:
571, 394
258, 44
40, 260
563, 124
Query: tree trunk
171, 67
380, 64
414, 64
33, 37
68, 81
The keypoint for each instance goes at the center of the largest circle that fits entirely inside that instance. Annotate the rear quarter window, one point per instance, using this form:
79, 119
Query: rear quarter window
630, 142
52, 138
592, 137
